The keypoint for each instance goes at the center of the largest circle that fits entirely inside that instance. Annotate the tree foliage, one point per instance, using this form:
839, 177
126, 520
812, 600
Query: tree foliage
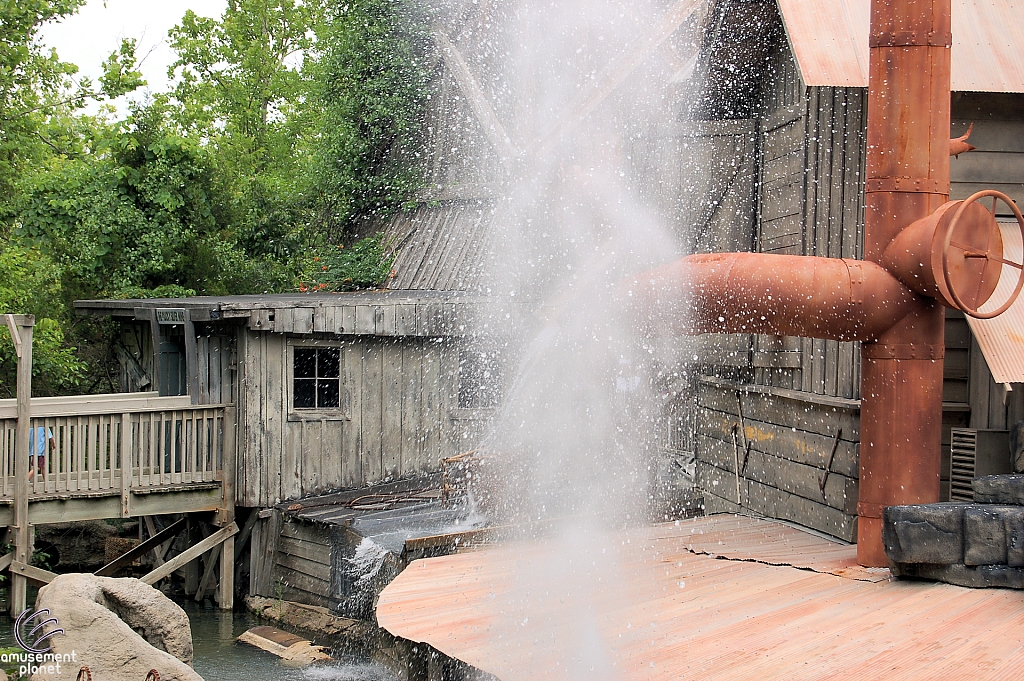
371, 90
289, 122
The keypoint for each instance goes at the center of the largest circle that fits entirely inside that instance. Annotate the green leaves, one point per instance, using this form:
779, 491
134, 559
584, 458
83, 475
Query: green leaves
371, 92
364, 265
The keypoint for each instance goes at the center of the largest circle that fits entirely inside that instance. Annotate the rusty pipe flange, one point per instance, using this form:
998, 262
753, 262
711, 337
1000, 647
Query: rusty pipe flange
972, 252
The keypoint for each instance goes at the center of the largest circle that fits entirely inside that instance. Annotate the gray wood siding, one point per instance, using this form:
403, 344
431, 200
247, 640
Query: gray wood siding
790, 443
998, 161
301, 569
398, 417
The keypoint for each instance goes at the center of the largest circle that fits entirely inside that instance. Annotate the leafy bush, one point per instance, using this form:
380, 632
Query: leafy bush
363, 265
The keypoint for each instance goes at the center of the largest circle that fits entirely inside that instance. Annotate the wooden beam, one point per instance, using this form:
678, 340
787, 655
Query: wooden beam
5, 560
13, 322
31, 573
187, 556
211, 559
159, 551
24, 444
243, 537
482, 109
111, 568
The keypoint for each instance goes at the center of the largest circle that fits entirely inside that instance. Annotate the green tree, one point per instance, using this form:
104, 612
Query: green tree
370, 94
30, 284
243, 87
36, 88
141, 216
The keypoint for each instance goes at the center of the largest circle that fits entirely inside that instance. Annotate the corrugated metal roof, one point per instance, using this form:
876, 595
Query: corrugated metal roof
1002, 339
440, 247
830, 42
664, 612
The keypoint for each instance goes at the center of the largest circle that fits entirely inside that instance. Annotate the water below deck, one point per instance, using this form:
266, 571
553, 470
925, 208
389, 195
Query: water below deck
219, 657
725, 597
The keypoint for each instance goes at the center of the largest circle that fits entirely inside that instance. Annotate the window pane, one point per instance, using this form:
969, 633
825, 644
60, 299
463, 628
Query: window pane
327, 394
305, 363
328, 360
305, 393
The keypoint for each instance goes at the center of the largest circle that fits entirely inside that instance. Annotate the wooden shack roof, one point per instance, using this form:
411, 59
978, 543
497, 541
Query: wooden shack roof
722, 597
375, 313
830, 42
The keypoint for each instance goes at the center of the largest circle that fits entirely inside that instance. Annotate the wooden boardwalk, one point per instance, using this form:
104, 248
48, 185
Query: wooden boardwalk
723, 597
176, 452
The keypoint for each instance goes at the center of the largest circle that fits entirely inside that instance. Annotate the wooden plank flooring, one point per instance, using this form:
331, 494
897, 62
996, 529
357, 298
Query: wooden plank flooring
724, 597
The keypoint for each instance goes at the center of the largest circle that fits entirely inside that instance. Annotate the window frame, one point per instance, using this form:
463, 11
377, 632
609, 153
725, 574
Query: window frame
339, 413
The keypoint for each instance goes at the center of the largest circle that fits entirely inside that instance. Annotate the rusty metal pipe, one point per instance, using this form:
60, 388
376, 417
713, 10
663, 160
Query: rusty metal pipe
837, 299
882, 300
907, 180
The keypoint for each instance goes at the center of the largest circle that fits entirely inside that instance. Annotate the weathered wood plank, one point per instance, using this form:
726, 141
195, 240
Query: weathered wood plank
364, 320
305, 532
318, 553
393, 410
412, 443
841, 492
784, 140
318, 571
351, 436
370, 459
430, 404
794, 445
775, 503
823, 420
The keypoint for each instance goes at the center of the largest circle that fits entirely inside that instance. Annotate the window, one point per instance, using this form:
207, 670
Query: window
479, 380
316, 378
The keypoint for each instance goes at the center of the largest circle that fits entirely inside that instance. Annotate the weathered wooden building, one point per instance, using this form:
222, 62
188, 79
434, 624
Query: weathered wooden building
766, 154
790, 406
333, 391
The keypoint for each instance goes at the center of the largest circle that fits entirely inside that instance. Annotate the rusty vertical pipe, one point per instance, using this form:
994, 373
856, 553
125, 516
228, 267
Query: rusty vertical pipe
907, 179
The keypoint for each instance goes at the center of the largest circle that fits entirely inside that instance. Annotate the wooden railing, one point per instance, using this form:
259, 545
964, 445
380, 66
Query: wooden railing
87, 440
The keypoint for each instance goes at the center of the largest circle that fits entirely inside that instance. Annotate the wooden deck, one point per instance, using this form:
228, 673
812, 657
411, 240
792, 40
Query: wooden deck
724, 597
176, 452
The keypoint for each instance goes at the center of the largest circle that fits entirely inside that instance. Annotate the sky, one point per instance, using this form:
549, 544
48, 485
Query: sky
89, 36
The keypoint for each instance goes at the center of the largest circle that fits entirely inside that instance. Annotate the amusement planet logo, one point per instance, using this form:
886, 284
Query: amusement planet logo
36, 658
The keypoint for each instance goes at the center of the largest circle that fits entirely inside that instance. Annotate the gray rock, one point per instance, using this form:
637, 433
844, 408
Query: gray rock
1013, 523
103, 618
928, 533
979, 577
984, 536
999, 489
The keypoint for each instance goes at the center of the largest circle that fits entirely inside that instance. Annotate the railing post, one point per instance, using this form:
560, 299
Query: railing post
20, 327
227, 549
126, 464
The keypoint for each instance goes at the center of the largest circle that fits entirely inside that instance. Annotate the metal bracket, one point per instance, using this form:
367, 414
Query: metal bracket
906, 185
831, 458
911, 39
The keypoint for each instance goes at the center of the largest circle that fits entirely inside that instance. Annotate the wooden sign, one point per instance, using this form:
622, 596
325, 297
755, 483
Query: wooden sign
170, 315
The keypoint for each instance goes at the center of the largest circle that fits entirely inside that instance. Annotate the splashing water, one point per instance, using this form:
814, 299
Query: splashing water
571, 454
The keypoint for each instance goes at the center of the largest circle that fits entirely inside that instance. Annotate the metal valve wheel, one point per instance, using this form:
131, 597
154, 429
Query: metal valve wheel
972, 258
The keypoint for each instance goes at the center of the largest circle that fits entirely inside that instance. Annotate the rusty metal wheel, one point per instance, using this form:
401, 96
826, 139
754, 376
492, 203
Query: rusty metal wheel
993, 257
84, 674
153, 675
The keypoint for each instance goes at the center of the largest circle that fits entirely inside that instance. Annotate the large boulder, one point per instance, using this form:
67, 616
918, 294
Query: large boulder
120, 628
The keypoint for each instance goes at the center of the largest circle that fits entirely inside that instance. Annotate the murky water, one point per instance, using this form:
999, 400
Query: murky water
219, 657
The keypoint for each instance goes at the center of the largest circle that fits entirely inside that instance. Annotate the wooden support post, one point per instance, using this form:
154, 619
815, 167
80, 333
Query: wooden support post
126, 464
226, 596
190, 554
192, 533
153, 543
191, 358
20, 327
210, 561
